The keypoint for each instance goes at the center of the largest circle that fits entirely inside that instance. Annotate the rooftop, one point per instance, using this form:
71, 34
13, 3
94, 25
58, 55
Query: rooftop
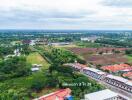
120, 79
95, 70
115, 68
101, 95
58, 95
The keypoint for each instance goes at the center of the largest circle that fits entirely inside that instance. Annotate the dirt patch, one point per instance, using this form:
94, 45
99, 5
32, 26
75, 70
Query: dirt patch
92, 55
105, 59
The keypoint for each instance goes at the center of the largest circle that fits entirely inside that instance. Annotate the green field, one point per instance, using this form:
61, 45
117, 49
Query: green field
36, 58
88, 45
129, 57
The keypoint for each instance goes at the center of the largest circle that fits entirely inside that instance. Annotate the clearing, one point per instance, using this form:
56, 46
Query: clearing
36, 58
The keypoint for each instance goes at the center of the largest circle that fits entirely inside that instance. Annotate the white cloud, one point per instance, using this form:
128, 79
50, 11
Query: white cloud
63, 14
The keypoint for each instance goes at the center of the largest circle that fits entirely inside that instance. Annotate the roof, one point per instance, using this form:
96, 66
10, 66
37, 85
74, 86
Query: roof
128, 82
128, 74
35, 69
117, 78
76, 65
117, 67
58, 95
95, 70
101, 95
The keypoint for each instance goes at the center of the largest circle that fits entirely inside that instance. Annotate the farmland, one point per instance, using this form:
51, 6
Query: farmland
102, 56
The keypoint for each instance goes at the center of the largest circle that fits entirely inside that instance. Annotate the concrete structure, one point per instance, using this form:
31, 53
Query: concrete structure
104, 95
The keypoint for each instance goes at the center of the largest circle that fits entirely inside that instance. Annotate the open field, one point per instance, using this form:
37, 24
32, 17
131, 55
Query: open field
88, 44
36, 58
91, 55
78, 50
105, 59
66, 46
129, 57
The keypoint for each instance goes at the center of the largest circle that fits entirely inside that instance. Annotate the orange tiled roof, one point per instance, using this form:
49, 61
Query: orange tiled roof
58, 95
128, 74
116, 67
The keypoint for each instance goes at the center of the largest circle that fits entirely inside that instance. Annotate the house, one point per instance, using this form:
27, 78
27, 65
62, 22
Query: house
94, 73
34, 69
36, 65
128, 74
76, 66
17, 52
119, 82
41, 41
62, 94
27, 42
117, 67
32, 42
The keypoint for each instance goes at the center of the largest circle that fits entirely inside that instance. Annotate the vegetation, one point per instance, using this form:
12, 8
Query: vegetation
14, 67
5, 51
115, 42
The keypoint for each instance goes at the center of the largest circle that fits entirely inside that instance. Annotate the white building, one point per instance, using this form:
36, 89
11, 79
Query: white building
33, 42
60, 43
90, 39
104, 95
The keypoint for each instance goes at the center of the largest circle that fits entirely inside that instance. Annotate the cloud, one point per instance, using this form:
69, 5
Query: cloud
118, 3
64, 14
31, 14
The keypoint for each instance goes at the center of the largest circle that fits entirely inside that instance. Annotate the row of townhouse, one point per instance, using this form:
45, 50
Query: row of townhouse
99, 75
94, 73
119, 82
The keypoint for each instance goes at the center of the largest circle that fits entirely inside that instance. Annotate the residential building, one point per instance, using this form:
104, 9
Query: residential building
104, 95
94, 73
62, 94
119, 82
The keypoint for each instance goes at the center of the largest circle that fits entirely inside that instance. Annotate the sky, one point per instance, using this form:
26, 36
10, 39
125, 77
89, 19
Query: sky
66, 14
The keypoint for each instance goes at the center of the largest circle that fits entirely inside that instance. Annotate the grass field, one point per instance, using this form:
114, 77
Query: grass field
129, 57
66, 46
87, 44
36, 58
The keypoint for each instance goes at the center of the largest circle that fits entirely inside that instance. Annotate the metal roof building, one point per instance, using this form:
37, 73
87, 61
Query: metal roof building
103, 95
